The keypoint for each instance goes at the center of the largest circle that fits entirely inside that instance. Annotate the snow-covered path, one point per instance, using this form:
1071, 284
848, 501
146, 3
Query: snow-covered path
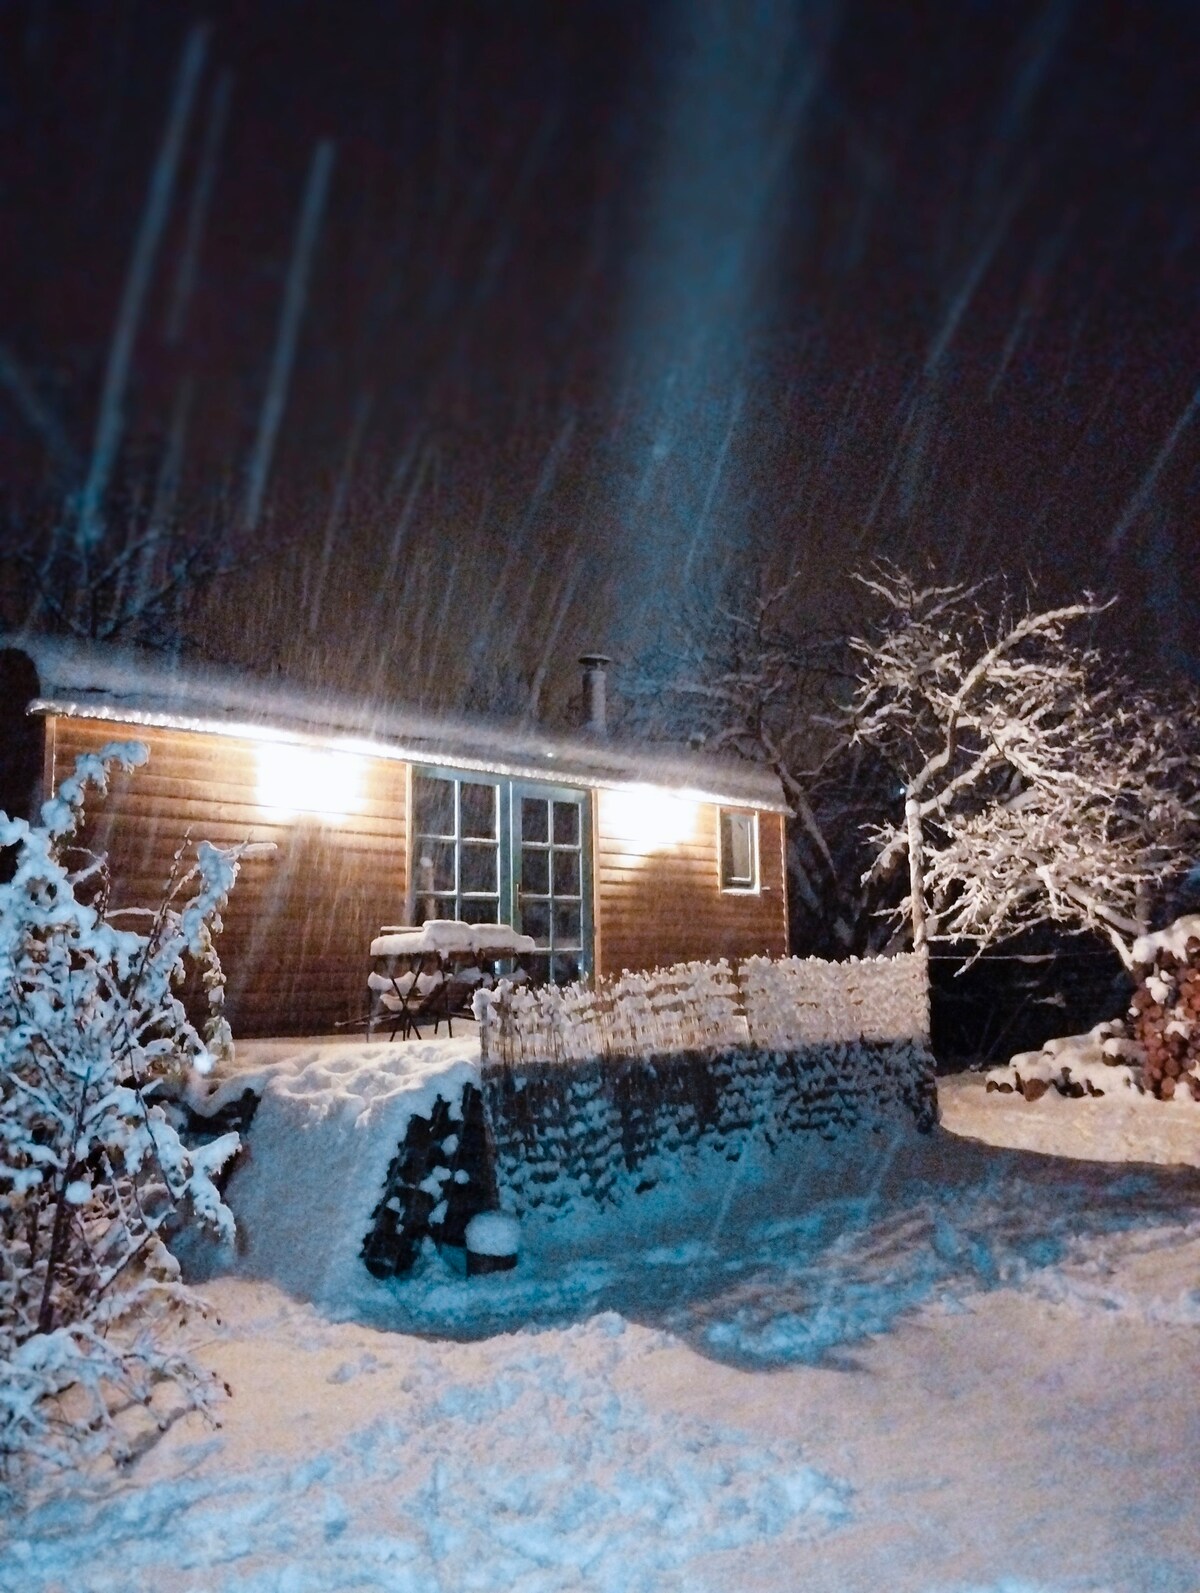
980, 1375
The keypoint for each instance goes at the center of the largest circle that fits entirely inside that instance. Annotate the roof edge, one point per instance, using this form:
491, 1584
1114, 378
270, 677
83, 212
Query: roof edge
559, 766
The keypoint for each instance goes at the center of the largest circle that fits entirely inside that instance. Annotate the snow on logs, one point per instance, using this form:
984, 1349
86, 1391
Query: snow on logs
1164, 1017
1155, 1048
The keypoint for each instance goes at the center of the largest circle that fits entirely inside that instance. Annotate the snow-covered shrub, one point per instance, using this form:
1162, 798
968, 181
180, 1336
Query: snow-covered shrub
92, 1170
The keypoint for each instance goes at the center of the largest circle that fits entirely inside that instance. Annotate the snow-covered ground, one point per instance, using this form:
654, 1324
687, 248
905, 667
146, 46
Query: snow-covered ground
919, 1365
1123, 1126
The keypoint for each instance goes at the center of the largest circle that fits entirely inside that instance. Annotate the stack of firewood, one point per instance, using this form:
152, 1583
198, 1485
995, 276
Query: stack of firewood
1165, 1018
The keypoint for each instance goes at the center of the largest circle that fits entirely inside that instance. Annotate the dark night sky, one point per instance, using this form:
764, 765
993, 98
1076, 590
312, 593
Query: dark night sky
612, 296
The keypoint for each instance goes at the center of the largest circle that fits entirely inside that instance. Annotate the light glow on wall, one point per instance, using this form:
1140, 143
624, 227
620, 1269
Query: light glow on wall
649, 818
294, 779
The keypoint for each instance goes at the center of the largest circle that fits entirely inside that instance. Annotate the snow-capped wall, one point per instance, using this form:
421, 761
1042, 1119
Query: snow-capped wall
598, 1130
767, 1002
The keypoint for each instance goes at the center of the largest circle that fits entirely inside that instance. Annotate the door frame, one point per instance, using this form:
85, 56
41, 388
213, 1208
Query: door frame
510, 790
582, 796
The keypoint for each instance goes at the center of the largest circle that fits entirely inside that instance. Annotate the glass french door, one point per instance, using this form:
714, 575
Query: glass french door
487, 850
551, 857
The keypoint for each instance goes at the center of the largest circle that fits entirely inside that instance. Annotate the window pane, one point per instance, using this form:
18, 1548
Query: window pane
566, 824
537, 967
434, 868
535, 921
566, 873
566, 969
478, 868
433, 805
568, 924
535, 871
478, 810
428, 907
737, 849
480, 909
535, 819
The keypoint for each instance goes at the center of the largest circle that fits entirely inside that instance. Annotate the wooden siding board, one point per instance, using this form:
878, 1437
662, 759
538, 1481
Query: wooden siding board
299, 922
663, 906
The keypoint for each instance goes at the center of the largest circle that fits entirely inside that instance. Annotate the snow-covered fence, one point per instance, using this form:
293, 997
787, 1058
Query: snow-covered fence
691, 1006
709, 1006
806, 1001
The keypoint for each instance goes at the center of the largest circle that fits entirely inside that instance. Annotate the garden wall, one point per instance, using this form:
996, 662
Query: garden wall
597, 1130
587, 1096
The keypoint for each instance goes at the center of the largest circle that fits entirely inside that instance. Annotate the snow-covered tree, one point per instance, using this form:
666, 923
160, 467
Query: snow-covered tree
1033, 783
93, 1173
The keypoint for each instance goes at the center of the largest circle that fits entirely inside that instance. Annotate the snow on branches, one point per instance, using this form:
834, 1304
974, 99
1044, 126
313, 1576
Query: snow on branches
1033, 784
92, 1170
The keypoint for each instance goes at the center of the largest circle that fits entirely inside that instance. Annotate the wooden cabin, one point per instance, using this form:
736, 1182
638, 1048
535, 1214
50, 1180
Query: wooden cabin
611, 855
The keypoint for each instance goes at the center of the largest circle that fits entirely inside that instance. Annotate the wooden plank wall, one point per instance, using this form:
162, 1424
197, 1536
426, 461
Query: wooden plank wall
665, 905
299, 921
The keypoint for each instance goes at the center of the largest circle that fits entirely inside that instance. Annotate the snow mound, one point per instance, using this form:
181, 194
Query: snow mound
492, 1233
326, 1130
1174, 939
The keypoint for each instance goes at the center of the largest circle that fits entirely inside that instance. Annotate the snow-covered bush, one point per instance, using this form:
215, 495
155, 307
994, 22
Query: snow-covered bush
92, 1170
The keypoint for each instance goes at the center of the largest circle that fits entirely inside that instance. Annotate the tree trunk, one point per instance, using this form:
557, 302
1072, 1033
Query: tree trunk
916, 872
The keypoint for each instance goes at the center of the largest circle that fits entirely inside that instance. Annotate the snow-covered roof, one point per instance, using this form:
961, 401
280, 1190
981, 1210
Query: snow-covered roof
135, 687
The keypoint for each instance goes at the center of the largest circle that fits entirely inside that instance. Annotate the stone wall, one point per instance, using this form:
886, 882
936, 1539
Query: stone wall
596, 1130
546, 1138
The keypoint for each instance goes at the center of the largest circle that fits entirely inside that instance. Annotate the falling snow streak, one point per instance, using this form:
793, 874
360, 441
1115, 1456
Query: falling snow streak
736, 82
111, 418
307, 230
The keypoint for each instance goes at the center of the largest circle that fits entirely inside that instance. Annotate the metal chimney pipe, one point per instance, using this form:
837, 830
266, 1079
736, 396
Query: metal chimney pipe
595, 697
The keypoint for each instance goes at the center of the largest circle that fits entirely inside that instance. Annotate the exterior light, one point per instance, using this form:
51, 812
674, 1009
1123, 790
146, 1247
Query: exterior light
650, 819
296, 779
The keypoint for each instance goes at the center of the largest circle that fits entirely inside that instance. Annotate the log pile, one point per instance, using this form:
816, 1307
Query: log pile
1164, 1016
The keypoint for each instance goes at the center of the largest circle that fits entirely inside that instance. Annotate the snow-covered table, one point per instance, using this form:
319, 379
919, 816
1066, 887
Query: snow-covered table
428, 971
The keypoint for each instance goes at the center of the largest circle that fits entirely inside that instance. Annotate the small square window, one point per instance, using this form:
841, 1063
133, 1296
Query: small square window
739, 851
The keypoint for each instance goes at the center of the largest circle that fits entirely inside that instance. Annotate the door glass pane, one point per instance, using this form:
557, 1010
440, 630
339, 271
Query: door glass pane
535, 819
566, 873
567, 967
535, 871
538, 968
428, 907
566, 824
568, 924
535, 921
480, 909
434, 869
479, 870
478, 809
433, 805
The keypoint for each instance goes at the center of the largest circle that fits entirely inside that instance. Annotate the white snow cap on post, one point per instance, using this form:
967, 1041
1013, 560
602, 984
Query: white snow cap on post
493, 1233
595, 692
